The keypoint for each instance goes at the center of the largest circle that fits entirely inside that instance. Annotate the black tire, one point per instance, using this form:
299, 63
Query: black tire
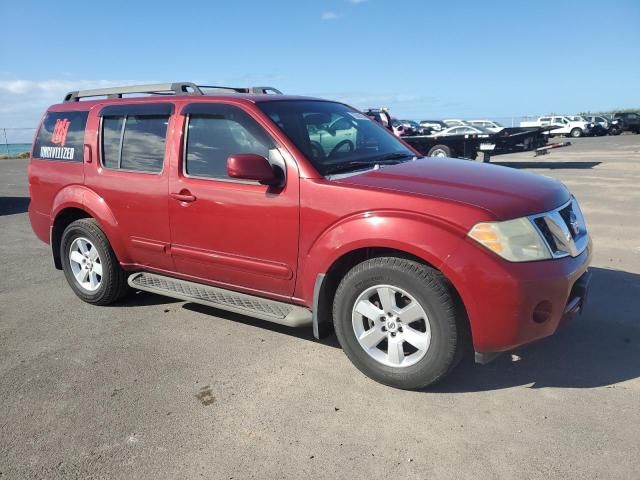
576, 132
439, 150
113, 284
432, 291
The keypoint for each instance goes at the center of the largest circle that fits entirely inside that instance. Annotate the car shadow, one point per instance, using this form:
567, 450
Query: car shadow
145, 299
549, 165
597, 349
303, 333
13, 205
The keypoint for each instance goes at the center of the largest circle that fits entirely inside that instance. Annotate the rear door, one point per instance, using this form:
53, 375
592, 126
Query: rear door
232, 233
131, 174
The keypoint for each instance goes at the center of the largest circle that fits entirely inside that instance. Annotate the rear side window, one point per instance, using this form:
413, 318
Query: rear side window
214, 135
61, 137
134, 142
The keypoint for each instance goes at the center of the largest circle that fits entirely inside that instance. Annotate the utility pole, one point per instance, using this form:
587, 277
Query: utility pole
6, 142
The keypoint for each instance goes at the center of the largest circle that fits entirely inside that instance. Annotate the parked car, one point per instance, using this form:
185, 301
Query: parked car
566, 126
488, 124
631, 121
598, 120
222, 200
432, 126
464, 130
453, 122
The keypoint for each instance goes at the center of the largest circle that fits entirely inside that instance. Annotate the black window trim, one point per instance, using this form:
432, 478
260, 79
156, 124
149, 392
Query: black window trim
122, 129
138, 109
187, 112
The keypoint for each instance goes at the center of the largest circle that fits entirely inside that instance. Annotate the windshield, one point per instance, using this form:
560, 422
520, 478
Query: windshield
334, 137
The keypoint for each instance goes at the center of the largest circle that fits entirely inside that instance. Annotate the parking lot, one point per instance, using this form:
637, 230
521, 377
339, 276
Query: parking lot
160, 388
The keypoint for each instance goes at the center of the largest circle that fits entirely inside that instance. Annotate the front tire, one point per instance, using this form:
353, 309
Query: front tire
396, 320
90, 265
576, 132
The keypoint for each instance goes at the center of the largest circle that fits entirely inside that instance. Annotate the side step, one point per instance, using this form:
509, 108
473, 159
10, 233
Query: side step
270, 310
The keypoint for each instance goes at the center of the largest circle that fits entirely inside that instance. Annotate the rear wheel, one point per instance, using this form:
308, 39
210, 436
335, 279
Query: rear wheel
396, 321
440, 151
90, 265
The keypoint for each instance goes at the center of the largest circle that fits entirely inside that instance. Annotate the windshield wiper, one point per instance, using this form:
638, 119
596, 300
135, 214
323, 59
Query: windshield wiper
397, 156
389, 159
347, 166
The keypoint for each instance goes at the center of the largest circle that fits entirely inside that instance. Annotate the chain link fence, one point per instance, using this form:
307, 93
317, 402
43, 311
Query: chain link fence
15, 142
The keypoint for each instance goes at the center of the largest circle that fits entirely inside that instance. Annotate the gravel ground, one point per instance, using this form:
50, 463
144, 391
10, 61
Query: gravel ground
155, 388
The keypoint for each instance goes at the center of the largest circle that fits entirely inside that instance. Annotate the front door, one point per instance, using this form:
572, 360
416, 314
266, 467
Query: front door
227, 232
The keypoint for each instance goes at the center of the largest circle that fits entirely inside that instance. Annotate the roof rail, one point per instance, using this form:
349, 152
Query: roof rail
176, 88
254, 90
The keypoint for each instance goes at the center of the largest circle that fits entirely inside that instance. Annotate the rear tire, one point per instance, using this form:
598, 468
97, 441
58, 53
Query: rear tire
90, 265
424, 326
440, 151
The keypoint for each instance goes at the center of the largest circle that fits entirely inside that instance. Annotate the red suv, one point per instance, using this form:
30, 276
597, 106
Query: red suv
303, 211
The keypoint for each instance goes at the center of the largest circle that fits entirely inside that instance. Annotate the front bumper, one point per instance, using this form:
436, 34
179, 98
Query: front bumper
511, 304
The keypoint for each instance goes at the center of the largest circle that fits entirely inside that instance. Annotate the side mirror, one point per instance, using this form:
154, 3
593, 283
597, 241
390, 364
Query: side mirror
249, 166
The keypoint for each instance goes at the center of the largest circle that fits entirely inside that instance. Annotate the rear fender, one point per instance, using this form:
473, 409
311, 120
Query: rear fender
83, 198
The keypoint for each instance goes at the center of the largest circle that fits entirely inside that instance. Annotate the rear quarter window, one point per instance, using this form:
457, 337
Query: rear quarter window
61, 137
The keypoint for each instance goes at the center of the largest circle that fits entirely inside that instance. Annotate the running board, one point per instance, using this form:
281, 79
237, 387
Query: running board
258, 307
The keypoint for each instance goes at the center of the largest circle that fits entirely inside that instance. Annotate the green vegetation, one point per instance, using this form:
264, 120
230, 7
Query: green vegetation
611, 112
17, 155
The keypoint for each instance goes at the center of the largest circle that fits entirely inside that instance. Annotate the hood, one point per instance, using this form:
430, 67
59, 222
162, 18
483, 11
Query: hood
504, 192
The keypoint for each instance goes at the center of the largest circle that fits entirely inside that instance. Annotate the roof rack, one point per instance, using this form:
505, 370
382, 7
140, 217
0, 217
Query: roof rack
176, 88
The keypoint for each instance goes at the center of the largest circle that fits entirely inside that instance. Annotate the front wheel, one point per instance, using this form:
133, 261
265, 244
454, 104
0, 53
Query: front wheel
396, 321
90, 265
576, 132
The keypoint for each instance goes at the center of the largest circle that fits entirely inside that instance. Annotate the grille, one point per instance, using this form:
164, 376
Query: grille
563, 229
546, 233
565, 213
213, 295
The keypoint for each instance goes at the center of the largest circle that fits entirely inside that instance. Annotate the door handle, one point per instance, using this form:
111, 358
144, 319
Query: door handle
183, 196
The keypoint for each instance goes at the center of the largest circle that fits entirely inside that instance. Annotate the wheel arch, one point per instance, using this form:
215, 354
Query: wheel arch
76, 202
326, 284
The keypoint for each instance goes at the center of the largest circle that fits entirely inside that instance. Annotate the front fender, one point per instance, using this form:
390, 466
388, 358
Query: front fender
83, 198
420, 235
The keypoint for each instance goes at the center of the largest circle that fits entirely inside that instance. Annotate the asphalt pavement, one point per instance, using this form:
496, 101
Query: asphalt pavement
154, 388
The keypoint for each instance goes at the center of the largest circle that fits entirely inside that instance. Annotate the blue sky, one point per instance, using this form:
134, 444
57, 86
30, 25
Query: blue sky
421, 58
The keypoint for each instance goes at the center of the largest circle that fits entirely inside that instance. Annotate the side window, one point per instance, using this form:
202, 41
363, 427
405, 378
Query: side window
545, 120
61, 137
111, 135
215, 133
143, 143
134, 140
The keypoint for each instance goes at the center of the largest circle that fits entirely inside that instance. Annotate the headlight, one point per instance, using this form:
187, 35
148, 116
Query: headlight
514, 240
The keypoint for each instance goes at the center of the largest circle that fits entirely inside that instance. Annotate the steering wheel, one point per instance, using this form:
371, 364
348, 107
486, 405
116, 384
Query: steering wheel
335, 150
316, 150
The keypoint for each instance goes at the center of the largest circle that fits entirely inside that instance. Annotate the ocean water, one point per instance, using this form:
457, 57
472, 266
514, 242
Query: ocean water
14, 148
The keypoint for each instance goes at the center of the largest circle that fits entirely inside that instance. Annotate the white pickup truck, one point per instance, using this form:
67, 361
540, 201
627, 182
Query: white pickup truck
565, 125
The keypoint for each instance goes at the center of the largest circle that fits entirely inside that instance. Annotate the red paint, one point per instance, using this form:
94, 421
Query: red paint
250, 167
274, 241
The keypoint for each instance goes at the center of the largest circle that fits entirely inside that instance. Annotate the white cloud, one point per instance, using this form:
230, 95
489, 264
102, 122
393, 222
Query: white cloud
22, 102
328, 15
